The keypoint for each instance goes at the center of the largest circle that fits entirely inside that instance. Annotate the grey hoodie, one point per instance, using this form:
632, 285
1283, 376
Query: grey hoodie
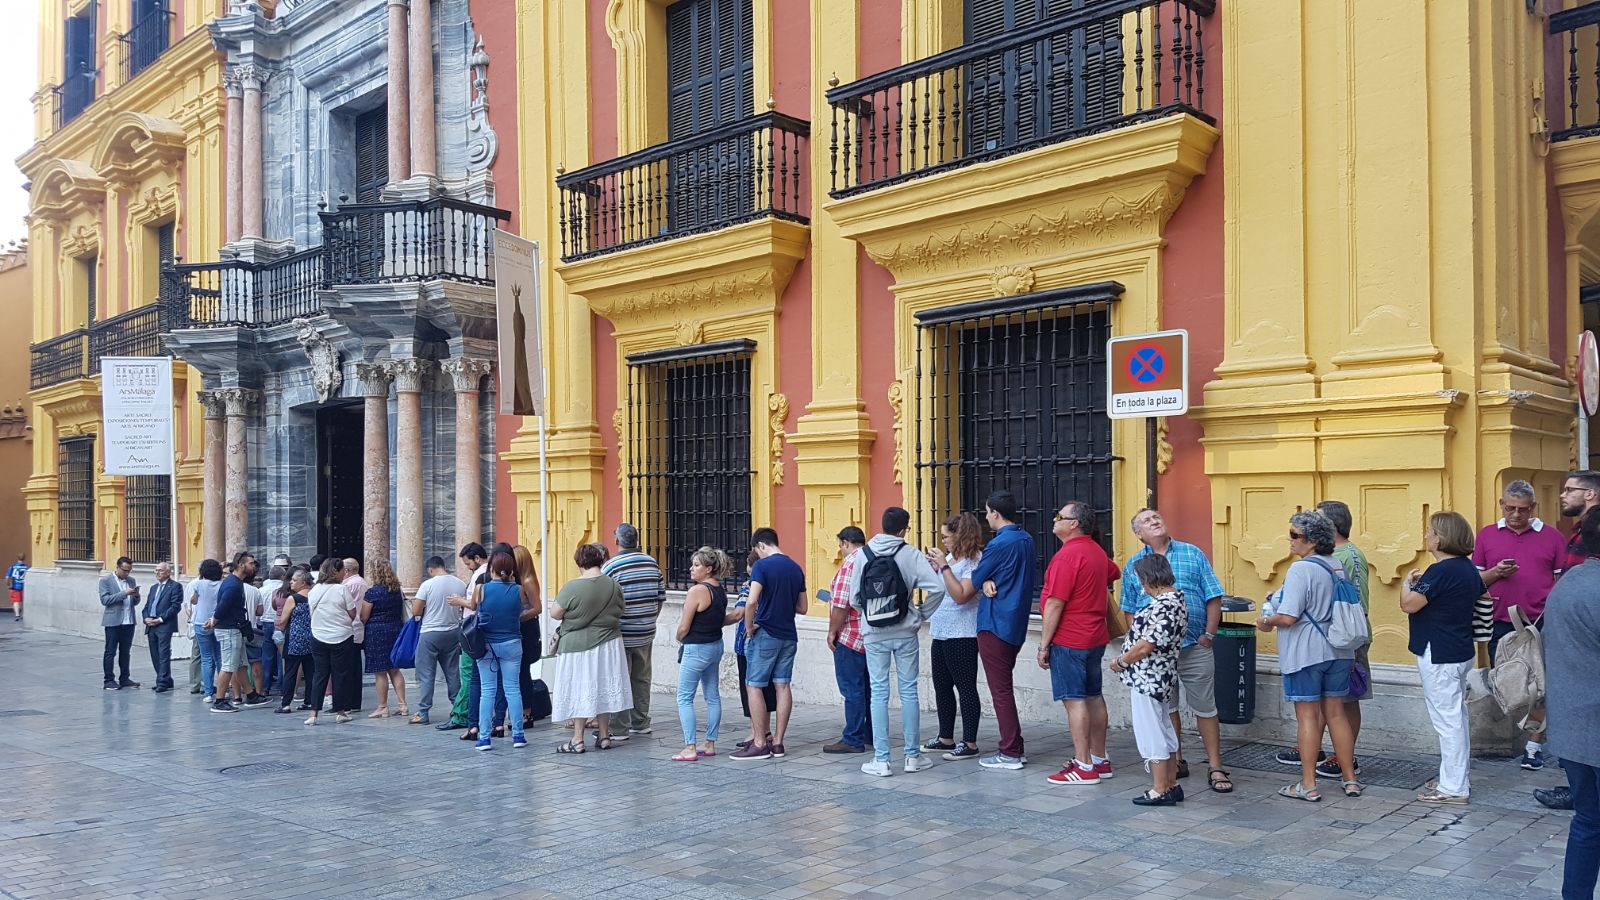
918, 574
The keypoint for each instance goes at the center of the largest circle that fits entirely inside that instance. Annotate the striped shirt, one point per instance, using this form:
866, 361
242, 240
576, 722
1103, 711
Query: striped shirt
643, 592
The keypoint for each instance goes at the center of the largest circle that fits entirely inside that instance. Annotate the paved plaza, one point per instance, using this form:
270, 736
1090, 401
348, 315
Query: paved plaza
134, 794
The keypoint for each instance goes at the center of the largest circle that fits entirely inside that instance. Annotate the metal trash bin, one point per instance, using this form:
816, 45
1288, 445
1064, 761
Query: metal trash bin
1234, 653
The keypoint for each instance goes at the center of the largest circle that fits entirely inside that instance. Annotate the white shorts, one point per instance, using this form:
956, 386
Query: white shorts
1152, 727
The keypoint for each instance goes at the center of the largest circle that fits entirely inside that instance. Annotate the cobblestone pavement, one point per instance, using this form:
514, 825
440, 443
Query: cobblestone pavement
128, 794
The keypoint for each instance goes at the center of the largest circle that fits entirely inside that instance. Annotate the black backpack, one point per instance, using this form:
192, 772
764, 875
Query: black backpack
883, 595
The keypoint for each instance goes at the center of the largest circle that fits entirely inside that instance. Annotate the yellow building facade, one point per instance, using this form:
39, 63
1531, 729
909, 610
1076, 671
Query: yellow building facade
124, 175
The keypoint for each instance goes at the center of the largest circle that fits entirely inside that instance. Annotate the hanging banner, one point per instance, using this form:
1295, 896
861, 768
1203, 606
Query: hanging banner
521, 355
136, 411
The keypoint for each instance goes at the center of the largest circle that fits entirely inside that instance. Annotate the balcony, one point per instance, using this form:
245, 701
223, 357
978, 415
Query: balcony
59, 359
69, 100
136, 332
1112, 65
741, 172
381, 243
145, 42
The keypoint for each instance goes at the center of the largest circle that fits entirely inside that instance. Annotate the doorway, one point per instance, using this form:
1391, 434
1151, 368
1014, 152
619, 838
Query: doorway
340, 482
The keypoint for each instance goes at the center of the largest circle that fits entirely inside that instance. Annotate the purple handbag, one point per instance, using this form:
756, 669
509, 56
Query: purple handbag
1360, 682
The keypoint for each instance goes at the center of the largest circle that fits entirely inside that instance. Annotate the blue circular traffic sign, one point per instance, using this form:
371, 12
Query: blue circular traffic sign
1147, 364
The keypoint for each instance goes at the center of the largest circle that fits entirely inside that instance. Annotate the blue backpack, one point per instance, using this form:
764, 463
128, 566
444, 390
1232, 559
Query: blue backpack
1347, 624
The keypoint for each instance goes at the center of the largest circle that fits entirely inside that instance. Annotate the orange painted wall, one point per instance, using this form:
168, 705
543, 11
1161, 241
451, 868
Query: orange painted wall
791, 88
603, 146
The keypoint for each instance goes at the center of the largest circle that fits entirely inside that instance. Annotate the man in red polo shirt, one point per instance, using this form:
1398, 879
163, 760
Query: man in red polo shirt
1073, 639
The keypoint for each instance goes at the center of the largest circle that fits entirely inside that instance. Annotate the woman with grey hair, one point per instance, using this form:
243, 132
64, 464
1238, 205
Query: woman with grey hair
1316, 674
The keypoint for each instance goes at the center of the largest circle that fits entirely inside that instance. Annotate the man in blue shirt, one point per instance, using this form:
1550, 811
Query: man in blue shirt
1006, 575
1197, 671
777, 595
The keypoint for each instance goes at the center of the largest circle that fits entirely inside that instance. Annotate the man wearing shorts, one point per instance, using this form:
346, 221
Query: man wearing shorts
232, 615
777, 595
15, 576
1073, 639
1197, 671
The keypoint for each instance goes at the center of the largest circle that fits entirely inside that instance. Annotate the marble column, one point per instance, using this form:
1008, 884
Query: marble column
375, 381
466, 374
236, 482
215, 474
234, 123
408, 374
421, 74
252, 78
399, 96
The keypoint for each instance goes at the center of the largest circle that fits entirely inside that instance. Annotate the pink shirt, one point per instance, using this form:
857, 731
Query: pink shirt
1540, 553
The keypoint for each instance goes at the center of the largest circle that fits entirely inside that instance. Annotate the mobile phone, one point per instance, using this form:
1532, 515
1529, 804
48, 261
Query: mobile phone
1508, 562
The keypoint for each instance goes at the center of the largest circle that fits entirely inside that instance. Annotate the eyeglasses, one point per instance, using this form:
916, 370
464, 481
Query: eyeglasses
1296, 536
1510, 510
1061, 518
1574, 490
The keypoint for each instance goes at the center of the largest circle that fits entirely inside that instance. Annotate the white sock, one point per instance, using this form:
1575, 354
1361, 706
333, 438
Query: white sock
1097, 760
1534, 747
1083, 765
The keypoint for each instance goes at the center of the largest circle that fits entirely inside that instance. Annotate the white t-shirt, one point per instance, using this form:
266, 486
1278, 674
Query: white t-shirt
482, 571
330, 613
437, 613
267, 590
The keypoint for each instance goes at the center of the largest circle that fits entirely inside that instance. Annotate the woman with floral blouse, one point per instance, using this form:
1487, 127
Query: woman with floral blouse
1148, 665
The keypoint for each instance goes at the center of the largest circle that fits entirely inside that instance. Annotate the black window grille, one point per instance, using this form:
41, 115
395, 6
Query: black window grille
710, 82
688, 452
79, 72
1011, 394
147, 38
75, 498
147, 519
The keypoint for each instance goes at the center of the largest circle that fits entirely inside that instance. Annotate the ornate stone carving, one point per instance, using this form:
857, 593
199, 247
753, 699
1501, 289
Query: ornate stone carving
375, 379
231, 85
251, 76
81, 241
483, 145
695, 293
617, 426
465, 373
1163, 449
1010, 281
408, 373
236, 401
210, 403
153, 205
327, 374
778, 412
690, 331
897, 400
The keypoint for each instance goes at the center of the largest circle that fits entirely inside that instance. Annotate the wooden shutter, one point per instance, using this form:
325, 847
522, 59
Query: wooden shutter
372, 154
710, 82
91, 287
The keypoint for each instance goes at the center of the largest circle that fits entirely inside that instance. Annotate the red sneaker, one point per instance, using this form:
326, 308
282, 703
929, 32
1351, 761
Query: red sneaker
1103, 769
1074, 774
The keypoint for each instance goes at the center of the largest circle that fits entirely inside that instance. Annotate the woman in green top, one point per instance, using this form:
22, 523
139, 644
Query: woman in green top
592, 669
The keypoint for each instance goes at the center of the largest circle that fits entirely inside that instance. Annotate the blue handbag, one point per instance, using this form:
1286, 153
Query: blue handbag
403, 655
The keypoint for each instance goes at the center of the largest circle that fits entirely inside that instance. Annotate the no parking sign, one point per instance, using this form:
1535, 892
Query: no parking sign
1148, 375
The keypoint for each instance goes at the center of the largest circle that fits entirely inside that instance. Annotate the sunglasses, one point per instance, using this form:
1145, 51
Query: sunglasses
1296, 536
1060, 518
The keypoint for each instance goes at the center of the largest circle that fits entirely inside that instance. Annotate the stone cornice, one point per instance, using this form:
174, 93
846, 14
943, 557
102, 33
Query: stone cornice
1093, 191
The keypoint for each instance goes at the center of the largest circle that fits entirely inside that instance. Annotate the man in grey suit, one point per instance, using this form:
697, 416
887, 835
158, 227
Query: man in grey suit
160, 622
119, 598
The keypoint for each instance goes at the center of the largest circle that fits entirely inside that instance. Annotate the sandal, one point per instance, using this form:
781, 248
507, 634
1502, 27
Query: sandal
1223, 785
1352, 788
602, 743
570, 747
711, 752
343, 718
402, 711
471, 734
684, 756
379, 714
1435, 795
1297, 791
1183, 767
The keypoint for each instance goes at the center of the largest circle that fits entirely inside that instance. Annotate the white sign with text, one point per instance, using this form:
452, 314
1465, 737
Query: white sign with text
136, 409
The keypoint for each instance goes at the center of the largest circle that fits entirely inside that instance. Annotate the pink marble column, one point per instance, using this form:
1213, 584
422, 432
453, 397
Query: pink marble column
466, 374
236, 484
233, 121
211, 509
252, 78
421, 72
375, 380
399, 95
408, 375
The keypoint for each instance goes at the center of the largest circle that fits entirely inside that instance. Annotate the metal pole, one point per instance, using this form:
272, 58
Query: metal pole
1150, 440
544, 545
1583, 436
172, 482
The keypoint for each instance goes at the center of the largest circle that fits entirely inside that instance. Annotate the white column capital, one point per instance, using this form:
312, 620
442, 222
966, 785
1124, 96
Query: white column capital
375, 379
408, 374
231, 85
211, 403
237, 401
251, 76
465, 373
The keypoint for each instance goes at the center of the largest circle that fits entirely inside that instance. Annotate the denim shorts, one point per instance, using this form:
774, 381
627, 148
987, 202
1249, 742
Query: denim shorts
1329, 678
1075, 674
770, 660
231, 645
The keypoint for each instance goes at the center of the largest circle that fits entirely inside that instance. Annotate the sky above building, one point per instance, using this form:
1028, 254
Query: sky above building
19, 49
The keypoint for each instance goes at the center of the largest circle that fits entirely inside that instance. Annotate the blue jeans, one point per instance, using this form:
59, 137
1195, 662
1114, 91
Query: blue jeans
903, 650
270, 660
1583, 837
698, 667
850, 671
501, 662
206, 642
475, 692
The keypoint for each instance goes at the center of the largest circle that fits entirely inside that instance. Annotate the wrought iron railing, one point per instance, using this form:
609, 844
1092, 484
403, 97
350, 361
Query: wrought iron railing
739, 172
236, 292
134, 333
1578, 31
380, 243
69, 100
59, 359
1109, 65
145, 42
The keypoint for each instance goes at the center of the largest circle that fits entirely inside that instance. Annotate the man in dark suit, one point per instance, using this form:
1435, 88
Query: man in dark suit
119, 599
161, 622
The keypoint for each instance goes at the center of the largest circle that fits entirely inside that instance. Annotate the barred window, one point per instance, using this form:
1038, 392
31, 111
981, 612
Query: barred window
688, 452
75, 498
148, 518
1010, 394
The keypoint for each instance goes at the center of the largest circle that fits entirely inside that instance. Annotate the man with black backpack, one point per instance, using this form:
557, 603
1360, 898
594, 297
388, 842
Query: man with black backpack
887, 571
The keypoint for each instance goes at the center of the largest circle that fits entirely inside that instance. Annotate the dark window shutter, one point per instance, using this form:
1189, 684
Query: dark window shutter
372, 154
91, 286
710, 82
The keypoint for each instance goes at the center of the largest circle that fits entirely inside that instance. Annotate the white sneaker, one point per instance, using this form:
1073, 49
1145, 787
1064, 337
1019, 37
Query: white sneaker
208, 699
877, 767
918, 763
327, 704
638, 731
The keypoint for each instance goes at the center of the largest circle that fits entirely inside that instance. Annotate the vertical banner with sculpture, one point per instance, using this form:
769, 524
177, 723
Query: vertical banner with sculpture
521, 357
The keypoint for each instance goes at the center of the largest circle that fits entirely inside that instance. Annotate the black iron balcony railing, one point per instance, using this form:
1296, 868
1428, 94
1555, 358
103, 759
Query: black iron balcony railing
1109, 65
134, 333
59, 359
1578, 32
379, 243
145, 42
248, 294
745, 170
70, 99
